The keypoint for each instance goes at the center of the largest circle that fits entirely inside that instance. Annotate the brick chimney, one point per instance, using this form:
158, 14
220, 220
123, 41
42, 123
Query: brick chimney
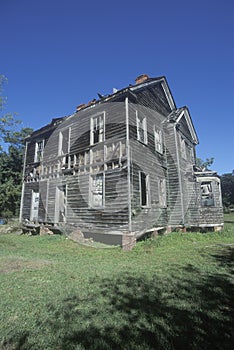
78, 108
141, 78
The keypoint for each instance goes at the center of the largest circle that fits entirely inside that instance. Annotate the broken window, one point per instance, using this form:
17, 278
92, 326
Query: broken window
144, 189
97, 129
141, 128
97, 191
162, 193
39, 146
207, 196
158, 140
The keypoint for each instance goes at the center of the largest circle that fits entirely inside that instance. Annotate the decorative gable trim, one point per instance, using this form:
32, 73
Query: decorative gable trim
164, 85
184, 112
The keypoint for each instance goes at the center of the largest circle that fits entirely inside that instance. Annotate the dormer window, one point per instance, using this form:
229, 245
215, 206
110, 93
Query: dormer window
39, 147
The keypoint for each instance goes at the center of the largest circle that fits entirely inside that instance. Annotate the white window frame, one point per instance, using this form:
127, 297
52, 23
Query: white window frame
141, 124
97, 122
207, 194
158, 140
36, 158
60, 142
91, 192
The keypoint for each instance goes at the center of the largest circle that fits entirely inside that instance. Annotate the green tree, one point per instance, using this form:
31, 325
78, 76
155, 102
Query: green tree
227, 185
11, 159
204, 164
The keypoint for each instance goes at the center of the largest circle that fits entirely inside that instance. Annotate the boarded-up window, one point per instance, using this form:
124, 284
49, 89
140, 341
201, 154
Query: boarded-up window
144, 189
141, 128
39, 147
97, 191
162, 195
207, 196
97, 129
158, 140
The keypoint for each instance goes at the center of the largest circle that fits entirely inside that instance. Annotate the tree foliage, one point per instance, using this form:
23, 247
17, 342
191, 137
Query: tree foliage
204, 164
227, 184
11, 159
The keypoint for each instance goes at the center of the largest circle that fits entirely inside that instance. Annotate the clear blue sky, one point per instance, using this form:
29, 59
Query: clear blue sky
57, 54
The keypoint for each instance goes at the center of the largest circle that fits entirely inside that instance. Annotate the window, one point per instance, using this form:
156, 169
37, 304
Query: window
61, 203
64, 140
97, 129
34, 206
162, 195
158, 140
207, 196
39, 146
141, 129
144, 189
97, 191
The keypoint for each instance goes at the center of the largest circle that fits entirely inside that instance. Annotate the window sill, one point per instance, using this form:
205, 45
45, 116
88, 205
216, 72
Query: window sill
143, 143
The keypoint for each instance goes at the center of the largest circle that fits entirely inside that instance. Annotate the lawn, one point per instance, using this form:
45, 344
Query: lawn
174, 292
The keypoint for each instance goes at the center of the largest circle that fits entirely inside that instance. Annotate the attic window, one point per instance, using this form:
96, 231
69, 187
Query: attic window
97, 129
207, 196
39, 146
141, 128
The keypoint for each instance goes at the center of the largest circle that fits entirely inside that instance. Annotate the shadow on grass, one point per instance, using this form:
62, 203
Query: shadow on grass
225, 256
183, 311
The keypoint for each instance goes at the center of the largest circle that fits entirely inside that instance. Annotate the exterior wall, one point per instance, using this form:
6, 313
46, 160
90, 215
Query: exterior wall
144, 158
27, 200
175, 194
209, 215
126, 159
186, 162
57, 171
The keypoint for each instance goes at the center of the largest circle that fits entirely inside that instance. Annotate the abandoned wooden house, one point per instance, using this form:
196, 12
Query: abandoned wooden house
120, 167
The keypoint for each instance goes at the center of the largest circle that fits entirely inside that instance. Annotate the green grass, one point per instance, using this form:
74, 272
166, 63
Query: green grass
174, 292
229, 217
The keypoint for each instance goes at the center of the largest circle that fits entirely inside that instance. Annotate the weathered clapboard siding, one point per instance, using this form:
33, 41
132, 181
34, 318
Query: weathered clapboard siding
173, 169
43, 199
145, 158
27, 201
51, 201
111, 179
114, 213
154, 98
